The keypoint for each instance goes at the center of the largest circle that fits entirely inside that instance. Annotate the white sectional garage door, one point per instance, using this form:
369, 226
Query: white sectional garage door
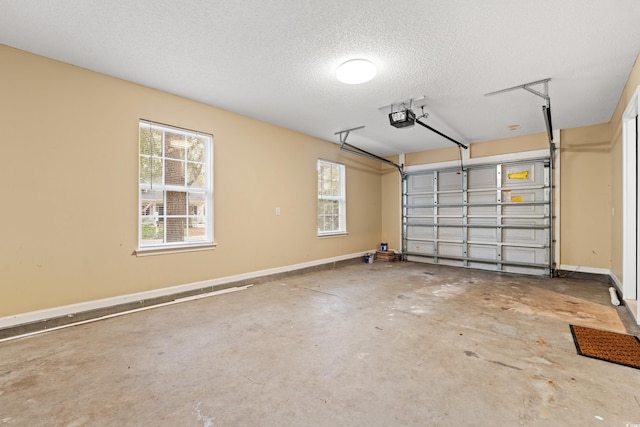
494, 217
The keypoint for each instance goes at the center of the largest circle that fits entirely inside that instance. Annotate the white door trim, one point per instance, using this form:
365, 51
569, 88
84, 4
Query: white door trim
630, 239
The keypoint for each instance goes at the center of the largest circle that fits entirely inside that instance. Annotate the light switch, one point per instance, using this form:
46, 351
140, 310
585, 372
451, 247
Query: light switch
277, 211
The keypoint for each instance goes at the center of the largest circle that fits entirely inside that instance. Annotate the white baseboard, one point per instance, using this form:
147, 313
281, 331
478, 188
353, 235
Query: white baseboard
616, 282
71, 309
582, 269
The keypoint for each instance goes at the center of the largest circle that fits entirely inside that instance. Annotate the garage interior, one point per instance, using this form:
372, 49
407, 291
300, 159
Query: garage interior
492, 153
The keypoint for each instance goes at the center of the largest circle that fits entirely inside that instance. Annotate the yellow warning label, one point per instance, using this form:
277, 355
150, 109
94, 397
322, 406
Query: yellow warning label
519, 175
516, 198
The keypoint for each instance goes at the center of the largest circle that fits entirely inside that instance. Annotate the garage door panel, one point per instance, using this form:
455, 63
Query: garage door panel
482, 266
421, 200
420, 183
523, 195
482, 177
450, 199
482, 234
450, 249
422, 259
483, 252
420, 232
525, 255
525, 236
450, 233
482, 203
491, 217
449, 181
482, 220
425, 248
523, 174
450, 211
478, 197
529, 210
529, 233
530, 271
533, 222
451, 262
450, 228
446, 221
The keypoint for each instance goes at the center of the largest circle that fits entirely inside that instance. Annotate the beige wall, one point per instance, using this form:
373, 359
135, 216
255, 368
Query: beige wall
391, 207
518, 144
70, 201
585, 196
592, 190
432, 156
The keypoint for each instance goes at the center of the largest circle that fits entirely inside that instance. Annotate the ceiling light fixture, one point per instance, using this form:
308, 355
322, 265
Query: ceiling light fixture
356, 71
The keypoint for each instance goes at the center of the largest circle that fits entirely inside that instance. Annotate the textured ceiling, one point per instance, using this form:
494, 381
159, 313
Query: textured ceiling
276, 60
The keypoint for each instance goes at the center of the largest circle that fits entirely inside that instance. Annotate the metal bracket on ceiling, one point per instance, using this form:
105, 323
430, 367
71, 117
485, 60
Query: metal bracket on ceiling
546, 109
345, 133
527, 86
345, 146
406, 104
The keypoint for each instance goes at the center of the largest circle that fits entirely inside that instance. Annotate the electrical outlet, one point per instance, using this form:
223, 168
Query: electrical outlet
277, 211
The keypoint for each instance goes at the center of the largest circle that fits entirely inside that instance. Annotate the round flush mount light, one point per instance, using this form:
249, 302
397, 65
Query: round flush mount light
356, 71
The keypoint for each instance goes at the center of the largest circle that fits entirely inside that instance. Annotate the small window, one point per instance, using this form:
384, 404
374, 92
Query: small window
331, 198
176, 203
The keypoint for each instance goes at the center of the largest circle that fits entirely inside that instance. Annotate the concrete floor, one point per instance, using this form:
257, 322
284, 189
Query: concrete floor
380, 344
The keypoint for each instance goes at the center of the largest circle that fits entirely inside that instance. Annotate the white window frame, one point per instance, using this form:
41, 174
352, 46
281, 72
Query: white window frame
341, 198
206, 191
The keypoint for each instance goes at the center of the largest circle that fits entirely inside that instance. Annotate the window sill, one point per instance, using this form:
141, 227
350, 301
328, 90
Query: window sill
336, 234
173, 249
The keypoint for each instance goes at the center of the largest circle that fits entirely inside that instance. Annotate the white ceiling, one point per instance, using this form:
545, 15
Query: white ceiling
275, 60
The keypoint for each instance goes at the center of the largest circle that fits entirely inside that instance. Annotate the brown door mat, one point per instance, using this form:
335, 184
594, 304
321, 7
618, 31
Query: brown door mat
608, 346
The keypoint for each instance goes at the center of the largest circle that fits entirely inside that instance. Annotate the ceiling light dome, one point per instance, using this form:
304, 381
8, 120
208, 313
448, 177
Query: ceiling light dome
356, 71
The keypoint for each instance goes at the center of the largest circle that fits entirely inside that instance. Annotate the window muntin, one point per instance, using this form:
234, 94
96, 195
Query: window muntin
175, 187
331, 198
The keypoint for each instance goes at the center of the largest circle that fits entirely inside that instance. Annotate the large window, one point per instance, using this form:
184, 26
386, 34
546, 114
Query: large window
176, 205
331, 198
